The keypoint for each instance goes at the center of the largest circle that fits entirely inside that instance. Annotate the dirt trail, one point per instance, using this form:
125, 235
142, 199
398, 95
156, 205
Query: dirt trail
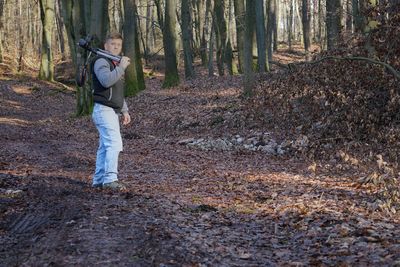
183, 206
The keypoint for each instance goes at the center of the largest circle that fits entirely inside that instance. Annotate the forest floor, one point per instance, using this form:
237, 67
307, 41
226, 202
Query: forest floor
184, 205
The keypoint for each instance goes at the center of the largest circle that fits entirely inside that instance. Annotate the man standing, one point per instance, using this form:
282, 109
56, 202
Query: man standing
109, 105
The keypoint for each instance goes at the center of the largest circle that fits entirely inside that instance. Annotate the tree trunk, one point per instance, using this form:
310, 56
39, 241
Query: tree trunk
187, 39
248, 77
60, 30
149, 37
134, 78
240, 28
169, 40
47, 16
21, 41
271, 28
358, 20
349, 19
77, 18
1, 30
98, 22
306, 26
220, 34
228, 44
160, 14
290, 24
333, 23
205, 33
260, 33
211, 50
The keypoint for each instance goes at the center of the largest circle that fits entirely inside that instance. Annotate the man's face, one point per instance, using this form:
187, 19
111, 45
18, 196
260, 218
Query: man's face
114, 46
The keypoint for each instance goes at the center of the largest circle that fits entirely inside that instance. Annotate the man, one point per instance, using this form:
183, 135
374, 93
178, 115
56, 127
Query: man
109, 105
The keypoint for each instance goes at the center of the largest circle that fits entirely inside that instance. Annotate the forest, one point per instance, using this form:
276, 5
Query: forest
263, 133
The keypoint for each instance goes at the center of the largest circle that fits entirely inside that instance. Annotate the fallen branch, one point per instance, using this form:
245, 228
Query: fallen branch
370, 60
278, 64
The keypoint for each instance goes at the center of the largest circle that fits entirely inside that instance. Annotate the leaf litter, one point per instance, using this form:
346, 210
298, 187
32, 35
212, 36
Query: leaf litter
315, 204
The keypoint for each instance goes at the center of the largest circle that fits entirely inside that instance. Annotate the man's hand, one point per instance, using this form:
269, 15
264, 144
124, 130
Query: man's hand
125, 61
126, 118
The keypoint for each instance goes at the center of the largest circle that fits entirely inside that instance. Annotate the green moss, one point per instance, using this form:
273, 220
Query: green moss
133, 87
171, 81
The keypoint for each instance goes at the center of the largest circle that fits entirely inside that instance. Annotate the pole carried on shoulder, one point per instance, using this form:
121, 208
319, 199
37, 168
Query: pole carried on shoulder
82, 70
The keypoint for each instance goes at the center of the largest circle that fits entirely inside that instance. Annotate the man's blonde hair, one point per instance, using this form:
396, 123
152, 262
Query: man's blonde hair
114, 35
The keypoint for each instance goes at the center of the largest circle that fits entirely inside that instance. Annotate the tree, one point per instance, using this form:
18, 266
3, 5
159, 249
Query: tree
220, 34
134, 78
358, 20
169, 41
205, 32
82, 18
306, 14
47, 16
289, 14
333, 23
187, 39
260, 33
248, 77
1, 29
272, 33
240, 28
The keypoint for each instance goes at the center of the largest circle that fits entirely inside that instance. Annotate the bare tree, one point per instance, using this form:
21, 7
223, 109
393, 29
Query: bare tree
248, 77
333, 22
220, 34
47, 16
306, 14
260, 33
187, 37
169, 40
240, 28
134, 78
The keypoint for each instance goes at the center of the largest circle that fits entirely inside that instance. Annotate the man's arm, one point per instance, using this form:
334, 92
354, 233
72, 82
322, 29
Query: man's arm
106, 77
126, 118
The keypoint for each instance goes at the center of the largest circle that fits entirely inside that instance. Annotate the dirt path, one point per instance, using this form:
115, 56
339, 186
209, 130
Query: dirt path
184, 206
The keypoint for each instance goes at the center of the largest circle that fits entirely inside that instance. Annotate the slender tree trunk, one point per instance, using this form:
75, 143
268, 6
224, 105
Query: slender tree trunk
271, 28
1, 30
248, 77
211, 49
333, 23
290, 24
169, 40
47, 16
134, 78
260, 33
149, 36
306, 26
60, 28
228, 44
187, 39
358, 20
198, 15
205, 33
220, 34
21, 41
349, 18
320, 25
240, 28
160, 14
